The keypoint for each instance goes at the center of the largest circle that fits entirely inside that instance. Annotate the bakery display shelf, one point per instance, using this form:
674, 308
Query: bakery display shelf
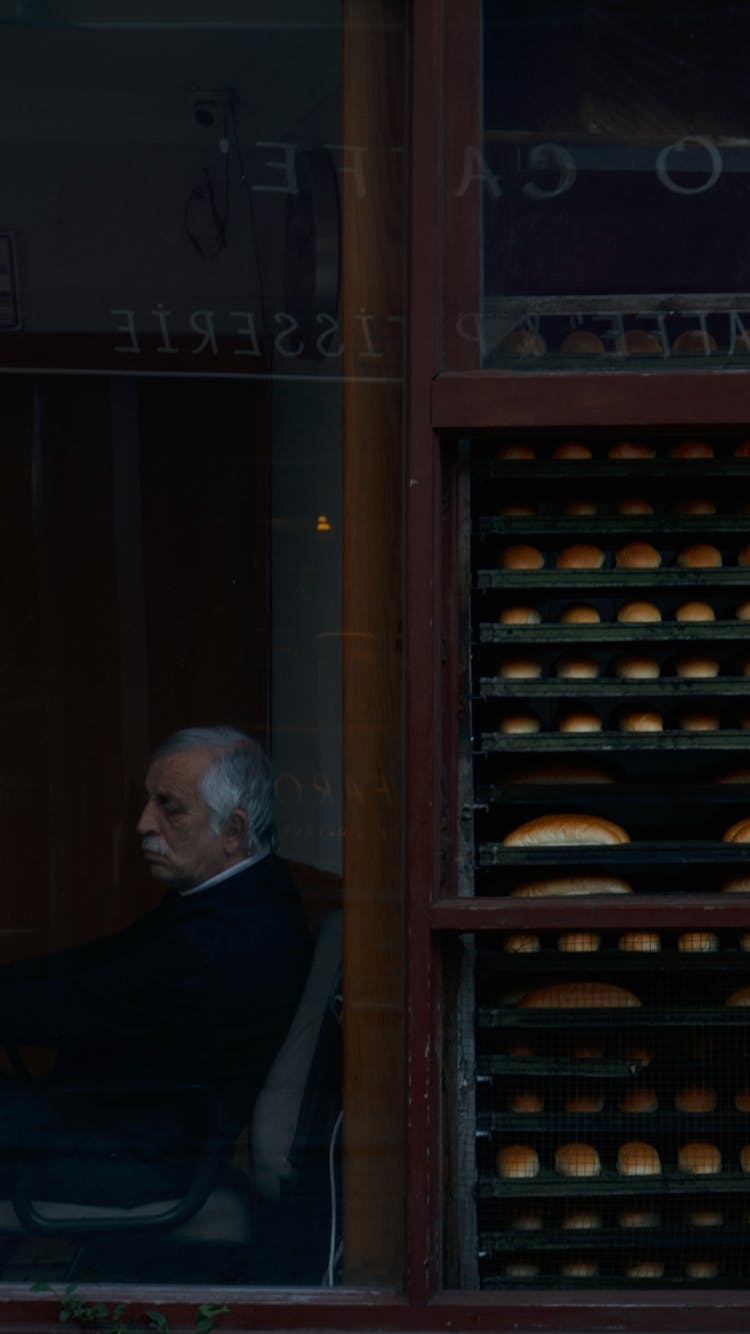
576, 528
617, 1280
616, 857
623, 1018
696, 582
558, 1067
663, 1239
509, 964
532, 743
633, 472
629, 1126
613, 632
542, 795
660, 687
610, 1182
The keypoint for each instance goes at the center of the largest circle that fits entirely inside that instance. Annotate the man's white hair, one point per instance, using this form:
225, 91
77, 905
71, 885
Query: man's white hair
239, 777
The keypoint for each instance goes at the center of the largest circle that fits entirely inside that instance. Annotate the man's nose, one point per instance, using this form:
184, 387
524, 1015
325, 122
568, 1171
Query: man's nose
146, 824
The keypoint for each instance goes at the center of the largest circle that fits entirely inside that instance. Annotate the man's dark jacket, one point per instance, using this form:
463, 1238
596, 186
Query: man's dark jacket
181, 1012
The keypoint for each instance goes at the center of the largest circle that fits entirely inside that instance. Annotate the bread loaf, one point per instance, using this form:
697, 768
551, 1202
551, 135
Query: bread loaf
639, 1218
517, 1160
640, 942
739, 832
637, 1159
581, 1220
637, 612
577, 508
697, 942
633, 505
638, 343
739, 997
695, 666
692, 449
527, 1222
582, 343
579, 1269
742, 611
527, 1103
645, 1269
584, 1103
519, 669
631, 449
524, 343
637, 667
637, 556
694, 343
552, 830
699, 1158
694, 505
742, 1100
640, 720
578, 942
699, 556
745, 1158
699, 720
515, 451
521, 942
519, 722
701, 1268
581, 556
520, 616
572, 450
579, 667
570, 885
579, 613
520, 556
580, 720
577, 1160
697, 1098
578, 996
705, 1218
638, 1101
695, 610
739, 884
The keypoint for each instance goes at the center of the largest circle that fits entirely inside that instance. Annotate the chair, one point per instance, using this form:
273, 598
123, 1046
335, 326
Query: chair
277, 1224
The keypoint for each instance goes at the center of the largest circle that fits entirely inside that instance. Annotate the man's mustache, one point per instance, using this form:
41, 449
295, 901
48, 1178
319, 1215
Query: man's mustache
151, 843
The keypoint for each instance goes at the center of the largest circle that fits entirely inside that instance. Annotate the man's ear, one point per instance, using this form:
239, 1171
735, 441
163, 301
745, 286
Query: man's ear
234, 832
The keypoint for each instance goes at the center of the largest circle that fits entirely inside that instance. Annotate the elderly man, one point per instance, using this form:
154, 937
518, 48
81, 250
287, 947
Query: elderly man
177, 1016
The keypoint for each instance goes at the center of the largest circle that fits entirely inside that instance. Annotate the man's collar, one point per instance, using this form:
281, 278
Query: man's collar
224, 875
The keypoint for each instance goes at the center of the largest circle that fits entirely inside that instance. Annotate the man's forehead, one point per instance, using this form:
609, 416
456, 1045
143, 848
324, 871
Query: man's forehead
179, 769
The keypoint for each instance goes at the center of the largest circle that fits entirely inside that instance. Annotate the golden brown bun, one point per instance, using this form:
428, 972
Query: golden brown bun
579, 996
744, 941
739, 997
637, 611
699, 721
695, 610
517, 1160
706, 1217
640, 720
520, 616
527, 1222
699, 1158
520, 1269
637, 556
574, 508
581, 556
581, 1220
579, 1269
633, 505
546, 830
692, 449
701, 1268
637, 667
743, 610
572, 450
553, 771
527, 1103
699, 556
631, 449
580, 666
577, 1160
638, 1101
579, 613
694, 343
585, 1103
639, 1218
697, 666
524, 343
741, 774
580, 720
739, 884
745, 1158
520, 556
519, 722
636, 1159
742, 1100
516, 510
572, 885
521, 942
638, 343
645, 1269
697, 1099
519, 668
582, 343
697, 942
521, 1049
743, 557
515, 452
578, 942
640, 942
694, 505
739, 832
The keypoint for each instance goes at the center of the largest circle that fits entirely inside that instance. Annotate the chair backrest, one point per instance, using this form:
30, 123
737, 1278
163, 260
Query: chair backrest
295, 1109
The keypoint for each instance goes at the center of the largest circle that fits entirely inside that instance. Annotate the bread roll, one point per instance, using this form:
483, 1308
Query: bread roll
515, 451
637, 556
579, 613
580, 720
697, 942
576, 508
520, 616
694, 610
524, 343
742, 1100
581, 1220
517, 1160
553, 830
579, 1269
637, 667
640, 720
578, 996
636, 612
743, 450
520, 556
582, 343
640, 942
638, 1101
739, 884
695, 1099
699, 720
695, 666
570, 885
578, 942
572, 450
745, 1158
638, 343
633, 505
636, 1159
578, 667
741, 774
631, 449
705, 1218
519, 722
521, 942
743, 557
694, 343
516, 511
519, 669
739, 832
577, 1160
742, 611
520, 1050
527, 1103
739, 997
520, 1269
645, 1269
639, 1218
584, 1103
587, 1052
692, 449
699, 1158
694, 505
744, 941
581, 556
527, 1222
701, 1268
552, 771
699, 556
